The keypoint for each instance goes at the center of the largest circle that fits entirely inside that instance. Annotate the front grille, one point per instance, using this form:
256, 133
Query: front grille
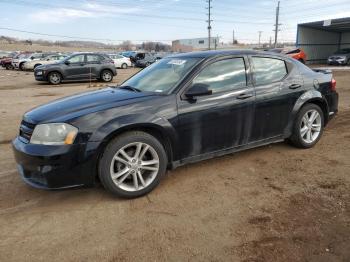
26, 130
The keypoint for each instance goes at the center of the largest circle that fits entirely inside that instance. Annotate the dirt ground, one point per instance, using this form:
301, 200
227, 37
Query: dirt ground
274, 203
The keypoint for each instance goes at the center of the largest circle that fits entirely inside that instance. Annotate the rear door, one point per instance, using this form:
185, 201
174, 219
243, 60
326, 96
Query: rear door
220, 120
76, 69
278, 84
93, 62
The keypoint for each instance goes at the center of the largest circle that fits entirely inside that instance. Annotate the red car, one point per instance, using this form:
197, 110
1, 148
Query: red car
295, 53
7, 61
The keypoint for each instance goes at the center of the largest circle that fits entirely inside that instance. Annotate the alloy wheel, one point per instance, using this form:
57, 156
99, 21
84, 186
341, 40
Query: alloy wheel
310, 127
106, 76
134, 166
55, 78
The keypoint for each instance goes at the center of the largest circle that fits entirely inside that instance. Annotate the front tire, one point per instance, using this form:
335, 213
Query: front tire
21, 66
132, 164
54, 78
308, 126
9, 67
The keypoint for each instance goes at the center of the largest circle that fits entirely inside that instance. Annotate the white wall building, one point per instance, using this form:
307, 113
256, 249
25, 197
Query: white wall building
196, 43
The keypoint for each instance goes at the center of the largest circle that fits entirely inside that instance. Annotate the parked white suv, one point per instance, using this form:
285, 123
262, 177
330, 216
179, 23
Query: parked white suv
120, 61
32, 64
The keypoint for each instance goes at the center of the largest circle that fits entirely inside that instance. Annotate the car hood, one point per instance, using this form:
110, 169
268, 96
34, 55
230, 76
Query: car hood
340, 55
47, 66
68, 108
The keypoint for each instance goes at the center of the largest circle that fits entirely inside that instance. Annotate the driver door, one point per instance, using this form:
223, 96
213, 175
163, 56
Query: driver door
76, 67
221, 120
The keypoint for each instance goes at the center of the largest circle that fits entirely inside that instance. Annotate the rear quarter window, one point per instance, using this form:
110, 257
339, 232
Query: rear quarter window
268, 70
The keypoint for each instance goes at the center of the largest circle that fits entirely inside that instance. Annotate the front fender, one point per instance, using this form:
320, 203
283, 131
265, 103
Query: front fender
313, 96
133, 122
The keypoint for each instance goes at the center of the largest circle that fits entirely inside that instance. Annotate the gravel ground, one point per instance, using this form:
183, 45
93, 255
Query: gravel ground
273, 203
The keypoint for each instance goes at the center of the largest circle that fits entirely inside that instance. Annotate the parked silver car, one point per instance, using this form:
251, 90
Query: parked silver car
341, 57
18, 63
31, 65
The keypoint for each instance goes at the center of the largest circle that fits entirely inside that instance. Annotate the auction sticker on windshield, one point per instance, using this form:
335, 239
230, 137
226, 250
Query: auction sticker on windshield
176, 62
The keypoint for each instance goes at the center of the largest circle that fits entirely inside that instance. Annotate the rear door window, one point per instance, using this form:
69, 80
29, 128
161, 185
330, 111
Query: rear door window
268, 70
93, 58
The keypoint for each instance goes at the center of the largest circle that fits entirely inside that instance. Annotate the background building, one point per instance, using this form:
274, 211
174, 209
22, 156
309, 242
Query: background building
187, 45
323, 38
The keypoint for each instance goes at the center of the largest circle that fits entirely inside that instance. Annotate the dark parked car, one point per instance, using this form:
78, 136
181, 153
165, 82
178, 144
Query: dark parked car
341, 57
183, 109
80, 66
143, 59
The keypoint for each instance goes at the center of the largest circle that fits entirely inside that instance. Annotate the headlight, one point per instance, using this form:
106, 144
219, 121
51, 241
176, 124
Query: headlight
39, 73
54, 134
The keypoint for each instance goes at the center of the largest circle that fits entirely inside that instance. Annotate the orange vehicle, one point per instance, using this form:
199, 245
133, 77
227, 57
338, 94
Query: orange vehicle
295, 53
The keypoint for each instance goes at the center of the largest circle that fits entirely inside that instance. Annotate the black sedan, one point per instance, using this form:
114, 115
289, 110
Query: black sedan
183, 109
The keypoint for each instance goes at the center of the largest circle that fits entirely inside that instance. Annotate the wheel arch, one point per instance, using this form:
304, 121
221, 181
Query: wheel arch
153, 129
106, 69
309, 97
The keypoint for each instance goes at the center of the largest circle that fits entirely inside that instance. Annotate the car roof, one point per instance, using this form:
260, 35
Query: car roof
213, 53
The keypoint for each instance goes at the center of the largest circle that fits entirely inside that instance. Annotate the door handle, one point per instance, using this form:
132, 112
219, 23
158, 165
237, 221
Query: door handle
244, 96
294, 86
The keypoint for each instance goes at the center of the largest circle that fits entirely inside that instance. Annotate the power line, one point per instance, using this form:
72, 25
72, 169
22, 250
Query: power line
75, 37
50, 6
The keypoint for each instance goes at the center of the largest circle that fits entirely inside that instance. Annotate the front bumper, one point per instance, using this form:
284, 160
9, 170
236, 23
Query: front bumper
55, 167
337, 62
40, 77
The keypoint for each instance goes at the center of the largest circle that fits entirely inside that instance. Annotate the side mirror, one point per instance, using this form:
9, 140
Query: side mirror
198, 90
67, 62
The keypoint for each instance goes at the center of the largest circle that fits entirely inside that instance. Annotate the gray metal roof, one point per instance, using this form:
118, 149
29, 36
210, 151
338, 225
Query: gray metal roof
337, 25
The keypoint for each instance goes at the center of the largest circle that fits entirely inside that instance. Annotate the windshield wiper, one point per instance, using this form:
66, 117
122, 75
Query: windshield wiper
130, 88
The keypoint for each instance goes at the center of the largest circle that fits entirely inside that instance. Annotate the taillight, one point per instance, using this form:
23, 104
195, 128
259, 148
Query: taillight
333, 84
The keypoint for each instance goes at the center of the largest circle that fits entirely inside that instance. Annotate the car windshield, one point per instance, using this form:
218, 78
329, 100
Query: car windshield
162, 76
23, 56
343, 51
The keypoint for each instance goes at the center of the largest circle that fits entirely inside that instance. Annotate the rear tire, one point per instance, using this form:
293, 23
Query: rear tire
124, 66
106, 76
9, 67
54, 78
308, 126
132, 164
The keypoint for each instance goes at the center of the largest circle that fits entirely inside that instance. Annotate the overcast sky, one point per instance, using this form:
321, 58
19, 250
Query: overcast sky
162, 20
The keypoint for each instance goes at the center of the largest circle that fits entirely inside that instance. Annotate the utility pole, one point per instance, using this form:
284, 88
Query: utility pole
260, 32
277, 22
217, 41
209, 22
270, 44
233, 37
